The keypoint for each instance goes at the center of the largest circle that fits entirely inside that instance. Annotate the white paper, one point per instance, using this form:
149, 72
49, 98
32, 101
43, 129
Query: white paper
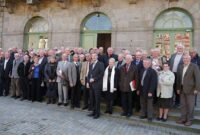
131, 85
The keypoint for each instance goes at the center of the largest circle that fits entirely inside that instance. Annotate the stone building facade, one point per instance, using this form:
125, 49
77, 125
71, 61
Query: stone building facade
133, 23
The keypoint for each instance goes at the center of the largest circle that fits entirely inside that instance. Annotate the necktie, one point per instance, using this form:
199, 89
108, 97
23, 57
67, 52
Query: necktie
127, 67
144, 74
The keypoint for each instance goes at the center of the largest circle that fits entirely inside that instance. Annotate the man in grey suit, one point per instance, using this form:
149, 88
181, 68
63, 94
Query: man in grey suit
15, 87
188, 80
66, 77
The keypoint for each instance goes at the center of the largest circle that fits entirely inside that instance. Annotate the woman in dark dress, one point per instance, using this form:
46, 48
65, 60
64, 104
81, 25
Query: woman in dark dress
35, 75
50, 75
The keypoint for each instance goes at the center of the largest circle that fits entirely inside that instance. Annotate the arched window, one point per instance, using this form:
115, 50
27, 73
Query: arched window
172, 27
96, 31
36, 33
97, 22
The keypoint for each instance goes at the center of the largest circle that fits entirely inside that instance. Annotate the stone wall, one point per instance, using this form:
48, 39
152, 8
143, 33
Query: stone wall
132, 24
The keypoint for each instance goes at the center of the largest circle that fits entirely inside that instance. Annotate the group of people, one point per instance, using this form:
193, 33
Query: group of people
140, 81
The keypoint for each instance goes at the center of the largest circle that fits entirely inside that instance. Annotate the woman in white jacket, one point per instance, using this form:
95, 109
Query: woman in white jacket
165, 92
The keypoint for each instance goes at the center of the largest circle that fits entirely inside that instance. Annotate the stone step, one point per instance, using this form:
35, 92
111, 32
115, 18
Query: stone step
174, 114
194, 129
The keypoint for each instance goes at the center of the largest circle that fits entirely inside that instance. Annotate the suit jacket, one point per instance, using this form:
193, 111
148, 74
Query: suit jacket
106, 59
150, 82
7, 71
97, 74
83, 73
23, 70
126, 77
140, 66
116, 63
191, 79
68, 71
171, 61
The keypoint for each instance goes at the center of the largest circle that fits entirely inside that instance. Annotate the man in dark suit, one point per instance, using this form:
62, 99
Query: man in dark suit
188, 80
109, 55
148, 84
6, 72
1, 68
139, 64
95, 80
128, 73
43, 61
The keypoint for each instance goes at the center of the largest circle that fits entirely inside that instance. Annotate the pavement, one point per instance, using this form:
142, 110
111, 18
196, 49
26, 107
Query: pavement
27, 118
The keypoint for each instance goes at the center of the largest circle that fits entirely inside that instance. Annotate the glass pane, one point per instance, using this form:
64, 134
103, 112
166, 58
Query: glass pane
98, 22
173, 19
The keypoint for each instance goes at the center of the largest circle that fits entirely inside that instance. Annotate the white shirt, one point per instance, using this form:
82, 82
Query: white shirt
176, 62
5, 63
184, 71
94, 64
40, 60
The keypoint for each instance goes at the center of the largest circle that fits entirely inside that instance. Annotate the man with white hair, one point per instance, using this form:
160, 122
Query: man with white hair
138, 62
128, 74
175, 61
148, 84
15, 86
188, 80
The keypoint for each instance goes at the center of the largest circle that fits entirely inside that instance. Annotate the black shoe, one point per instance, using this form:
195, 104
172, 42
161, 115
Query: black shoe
59, 104
110, 112
123, 114
96, 117
143, 117
128, 115
164, 120
13, 96
65, 104
84, 108
150, 119
91, 115
106, 111
159, 119
17, 97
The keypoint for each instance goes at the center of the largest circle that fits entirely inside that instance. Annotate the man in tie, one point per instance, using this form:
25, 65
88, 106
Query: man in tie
128, 73
75, 91
95, 81
139, 64
188, 80
148, 84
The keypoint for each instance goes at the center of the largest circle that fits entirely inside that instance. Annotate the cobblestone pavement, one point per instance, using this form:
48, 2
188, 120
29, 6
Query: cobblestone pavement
26, 118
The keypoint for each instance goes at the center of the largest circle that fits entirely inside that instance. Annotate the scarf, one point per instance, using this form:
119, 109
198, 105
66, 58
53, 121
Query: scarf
105, 80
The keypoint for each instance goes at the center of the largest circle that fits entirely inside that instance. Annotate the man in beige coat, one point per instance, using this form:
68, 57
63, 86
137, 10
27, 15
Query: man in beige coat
188, 80
83, 79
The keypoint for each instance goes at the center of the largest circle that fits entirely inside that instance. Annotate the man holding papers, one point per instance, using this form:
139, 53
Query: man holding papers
128, 75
